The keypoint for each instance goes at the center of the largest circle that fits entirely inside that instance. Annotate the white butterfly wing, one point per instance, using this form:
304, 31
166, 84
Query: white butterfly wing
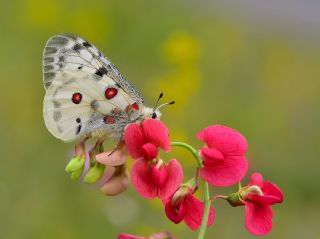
73, 68
75, 106
68, 51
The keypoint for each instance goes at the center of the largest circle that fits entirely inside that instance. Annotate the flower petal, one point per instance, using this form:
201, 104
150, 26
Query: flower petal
269, 189
134, 140
141, 179
149, 151
258, 219
174, 179
116, 158
156, 133
225, 139
227, 173
129, 236
195, 209
175, 214
256, 179
271, 195
211, 156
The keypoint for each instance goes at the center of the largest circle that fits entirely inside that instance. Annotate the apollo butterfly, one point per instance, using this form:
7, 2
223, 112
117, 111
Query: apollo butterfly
86, 95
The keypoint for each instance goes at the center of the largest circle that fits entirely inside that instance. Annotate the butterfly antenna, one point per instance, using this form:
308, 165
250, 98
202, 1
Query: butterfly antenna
155, 107
168, 103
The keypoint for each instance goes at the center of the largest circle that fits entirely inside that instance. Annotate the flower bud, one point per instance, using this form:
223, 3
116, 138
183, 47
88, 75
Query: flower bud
118, 183
162, 235
235, 199
253, 189
75, 164
76, 174
94, 173
181, 193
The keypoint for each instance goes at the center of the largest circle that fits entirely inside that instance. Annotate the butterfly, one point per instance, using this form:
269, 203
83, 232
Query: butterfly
86, 95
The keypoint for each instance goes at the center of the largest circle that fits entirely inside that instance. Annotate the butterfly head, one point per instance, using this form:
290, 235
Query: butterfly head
154, 113
151, 113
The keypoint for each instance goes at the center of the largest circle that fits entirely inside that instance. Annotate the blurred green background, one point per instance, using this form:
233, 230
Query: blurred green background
253, 66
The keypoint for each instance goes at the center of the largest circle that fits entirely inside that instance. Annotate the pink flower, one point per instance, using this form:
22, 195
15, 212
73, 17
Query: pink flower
116, 180
224, 163
183, 206
129, 236
258, 197
156, 179
159, 235
142, 140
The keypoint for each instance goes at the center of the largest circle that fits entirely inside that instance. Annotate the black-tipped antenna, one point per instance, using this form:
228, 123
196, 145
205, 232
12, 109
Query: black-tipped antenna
168, 103
160, 96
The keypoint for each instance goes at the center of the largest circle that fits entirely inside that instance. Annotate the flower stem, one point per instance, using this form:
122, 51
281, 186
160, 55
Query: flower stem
207, 201
205, 216
191, 150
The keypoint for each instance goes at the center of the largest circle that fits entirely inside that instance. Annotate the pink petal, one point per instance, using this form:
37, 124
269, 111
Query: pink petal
227, 173
128, 236
256, 179
116, 158
195, 209
271, 195
149, 151
156, 133
134, 140
225, 139
174, 179
211, 156
141, 179
175, 214
258, 219
159, 175
270, 189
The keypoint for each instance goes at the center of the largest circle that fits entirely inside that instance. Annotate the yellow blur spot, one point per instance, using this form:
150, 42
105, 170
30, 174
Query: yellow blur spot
42, 13
181, 48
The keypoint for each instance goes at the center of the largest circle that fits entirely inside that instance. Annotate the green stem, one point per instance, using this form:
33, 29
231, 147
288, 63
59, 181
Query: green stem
207, 201
191, 149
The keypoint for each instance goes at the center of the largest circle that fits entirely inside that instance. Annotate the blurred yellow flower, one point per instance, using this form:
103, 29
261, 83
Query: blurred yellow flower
181, 48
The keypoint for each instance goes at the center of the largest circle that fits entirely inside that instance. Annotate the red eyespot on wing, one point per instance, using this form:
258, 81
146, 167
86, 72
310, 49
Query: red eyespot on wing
108, 119
110, 93
76, 98
128, 108
135, 106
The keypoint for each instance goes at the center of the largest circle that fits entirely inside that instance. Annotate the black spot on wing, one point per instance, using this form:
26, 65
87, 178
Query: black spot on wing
48, 60
94, 104
80, 67
49, 75
57, 116
58, 41
47, 68
86, 44
76, 47
101, 71
56, 104
78, 130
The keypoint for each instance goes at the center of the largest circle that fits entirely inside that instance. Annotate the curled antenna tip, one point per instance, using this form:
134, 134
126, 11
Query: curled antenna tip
160, 96
172, 102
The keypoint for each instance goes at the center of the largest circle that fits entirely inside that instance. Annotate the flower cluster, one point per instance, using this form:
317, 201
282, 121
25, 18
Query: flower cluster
221, 162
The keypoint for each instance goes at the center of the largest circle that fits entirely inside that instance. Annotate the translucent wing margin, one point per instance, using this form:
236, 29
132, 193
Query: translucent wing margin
68, 51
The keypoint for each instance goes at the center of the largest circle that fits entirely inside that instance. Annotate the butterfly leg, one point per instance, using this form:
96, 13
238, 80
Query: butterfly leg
119, 145
97, 148
80, 147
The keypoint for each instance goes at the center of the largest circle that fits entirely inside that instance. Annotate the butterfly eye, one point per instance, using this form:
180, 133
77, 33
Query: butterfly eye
154, 115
